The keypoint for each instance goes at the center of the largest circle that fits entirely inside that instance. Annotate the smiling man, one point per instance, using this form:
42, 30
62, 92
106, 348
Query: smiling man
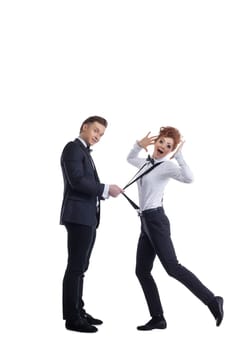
80, 214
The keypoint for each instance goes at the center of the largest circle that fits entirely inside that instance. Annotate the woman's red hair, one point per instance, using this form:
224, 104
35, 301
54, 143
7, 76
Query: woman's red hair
173, 133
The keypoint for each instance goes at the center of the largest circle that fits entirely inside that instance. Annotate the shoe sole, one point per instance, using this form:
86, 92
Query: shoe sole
219, 321
150, 329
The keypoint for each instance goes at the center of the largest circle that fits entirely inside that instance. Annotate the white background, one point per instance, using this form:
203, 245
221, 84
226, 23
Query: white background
141, 65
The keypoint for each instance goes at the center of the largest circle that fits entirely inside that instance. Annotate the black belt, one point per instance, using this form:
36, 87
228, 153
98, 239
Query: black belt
152, 210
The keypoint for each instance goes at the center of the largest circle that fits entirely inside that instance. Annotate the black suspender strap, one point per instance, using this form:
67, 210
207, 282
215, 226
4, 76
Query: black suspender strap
134, 205
136, 178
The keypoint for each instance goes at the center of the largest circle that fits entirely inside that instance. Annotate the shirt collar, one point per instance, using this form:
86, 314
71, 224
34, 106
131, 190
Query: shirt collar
161, 159
83, 142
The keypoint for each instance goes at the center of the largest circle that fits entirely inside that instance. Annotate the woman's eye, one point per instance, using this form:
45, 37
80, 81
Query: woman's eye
169, 146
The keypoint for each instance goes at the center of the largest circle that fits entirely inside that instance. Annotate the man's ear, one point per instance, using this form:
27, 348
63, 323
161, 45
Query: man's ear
85, 127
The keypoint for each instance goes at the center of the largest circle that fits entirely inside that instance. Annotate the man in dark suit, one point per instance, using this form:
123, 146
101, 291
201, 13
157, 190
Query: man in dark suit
80, 214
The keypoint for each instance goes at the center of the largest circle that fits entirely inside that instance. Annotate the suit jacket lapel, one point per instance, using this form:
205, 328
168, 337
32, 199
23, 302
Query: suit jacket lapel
84, 148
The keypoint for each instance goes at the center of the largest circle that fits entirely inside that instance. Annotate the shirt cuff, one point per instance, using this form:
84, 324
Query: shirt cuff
179, 158
105, 193
137, 146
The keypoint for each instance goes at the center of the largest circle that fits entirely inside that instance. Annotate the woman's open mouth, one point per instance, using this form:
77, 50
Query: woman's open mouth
160, 151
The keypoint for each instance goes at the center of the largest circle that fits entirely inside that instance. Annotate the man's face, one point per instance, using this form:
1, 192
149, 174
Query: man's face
163, 146
92, 133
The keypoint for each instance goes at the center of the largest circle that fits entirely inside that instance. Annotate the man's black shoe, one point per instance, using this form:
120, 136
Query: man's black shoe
91, 320
216, 307
80, 325
157, 322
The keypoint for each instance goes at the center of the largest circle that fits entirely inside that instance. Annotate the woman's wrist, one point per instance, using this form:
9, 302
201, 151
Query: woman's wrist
139, 144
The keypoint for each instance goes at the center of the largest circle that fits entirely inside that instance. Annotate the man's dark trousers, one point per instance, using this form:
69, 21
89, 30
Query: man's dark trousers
81, 239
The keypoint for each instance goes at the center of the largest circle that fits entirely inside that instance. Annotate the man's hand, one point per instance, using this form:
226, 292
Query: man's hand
114, 190
147, 141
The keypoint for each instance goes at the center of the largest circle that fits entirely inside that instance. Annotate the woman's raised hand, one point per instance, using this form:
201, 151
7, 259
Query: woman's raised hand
147, 141
178, 150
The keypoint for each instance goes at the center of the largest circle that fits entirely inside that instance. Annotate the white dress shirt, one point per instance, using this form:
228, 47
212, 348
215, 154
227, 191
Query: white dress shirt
151, 187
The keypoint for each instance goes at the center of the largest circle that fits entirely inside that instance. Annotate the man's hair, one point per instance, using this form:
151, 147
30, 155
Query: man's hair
93, 119
169, 131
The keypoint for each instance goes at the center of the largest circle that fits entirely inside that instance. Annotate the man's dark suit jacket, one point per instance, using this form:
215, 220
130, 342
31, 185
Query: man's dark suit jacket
81, 186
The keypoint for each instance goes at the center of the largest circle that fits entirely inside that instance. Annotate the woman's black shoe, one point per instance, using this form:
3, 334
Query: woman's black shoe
216, 308
157, 322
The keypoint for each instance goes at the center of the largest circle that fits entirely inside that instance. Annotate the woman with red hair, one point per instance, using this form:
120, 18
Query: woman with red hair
155, 238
